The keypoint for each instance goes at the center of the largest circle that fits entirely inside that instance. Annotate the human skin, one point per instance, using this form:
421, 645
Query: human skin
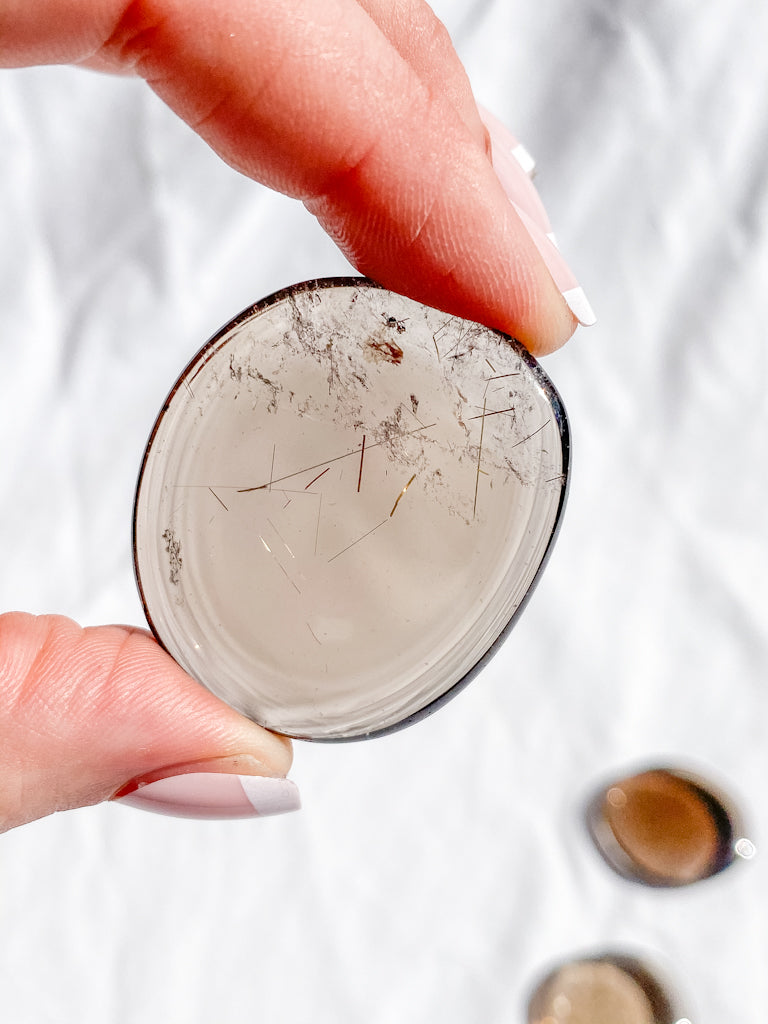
361, 110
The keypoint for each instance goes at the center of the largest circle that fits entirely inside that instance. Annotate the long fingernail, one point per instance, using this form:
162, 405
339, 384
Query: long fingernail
514, 168
214, 795
563, 276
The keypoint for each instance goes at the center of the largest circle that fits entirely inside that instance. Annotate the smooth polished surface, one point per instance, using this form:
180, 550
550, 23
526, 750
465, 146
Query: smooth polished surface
602, 990
667, 827
344, 502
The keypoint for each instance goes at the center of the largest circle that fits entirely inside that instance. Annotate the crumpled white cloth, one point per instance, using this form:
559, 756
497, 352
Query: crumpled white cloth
435, 874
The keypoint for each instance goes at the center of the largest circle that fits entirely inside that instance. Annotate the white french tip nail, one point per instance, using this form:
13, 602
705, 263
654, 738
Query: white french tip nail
562, 274
524, 158
553, 239
271, 796
215, 795
578, 303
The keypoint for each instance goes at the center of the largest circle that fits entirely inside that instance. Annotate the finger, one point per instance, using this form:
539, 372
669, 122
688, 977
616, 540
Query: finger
91, 713
422, 40
314, 100
54, 31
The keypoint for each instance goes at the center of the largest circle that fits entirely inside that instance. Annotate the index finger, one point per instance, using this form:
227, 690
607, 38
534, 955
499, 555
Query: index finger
313, 99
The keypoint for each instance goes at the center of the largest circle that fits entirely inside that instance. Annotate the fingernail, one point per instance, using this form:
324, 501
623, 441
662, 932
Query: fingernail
213, 795
503, 141
514, 168
563, 276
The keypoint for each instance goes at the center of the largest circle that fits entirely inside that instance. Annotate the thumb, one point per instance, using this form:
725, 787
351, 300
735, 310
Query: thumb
90, 714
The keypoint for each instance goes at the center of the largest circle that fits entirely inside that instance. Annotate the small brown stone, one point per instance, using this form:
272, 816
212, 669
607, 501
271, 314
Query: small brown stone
601, 990
663, 827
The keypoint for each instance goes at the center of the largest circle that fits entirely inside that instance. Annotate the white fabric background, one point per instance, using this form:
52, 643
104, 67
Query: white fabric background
433, 875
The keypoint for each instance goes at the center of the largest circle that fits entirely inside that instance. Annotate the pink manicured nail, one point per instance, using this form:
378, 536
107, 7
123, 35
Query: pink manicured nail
215, 795
514, 166
563, 276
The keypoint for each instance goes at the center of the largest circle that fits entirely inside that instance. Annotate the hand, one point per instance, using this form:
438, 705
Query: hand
361, 109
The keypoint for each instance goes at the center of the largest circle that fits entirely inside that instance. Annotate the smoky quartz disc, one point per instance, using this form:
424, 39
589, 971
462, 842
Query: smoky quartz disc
345, 502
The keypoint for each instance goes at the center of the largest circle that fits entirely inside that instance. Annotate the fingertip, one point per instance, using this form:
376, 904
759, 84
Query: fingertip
87, 710
175, 708
550, 332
